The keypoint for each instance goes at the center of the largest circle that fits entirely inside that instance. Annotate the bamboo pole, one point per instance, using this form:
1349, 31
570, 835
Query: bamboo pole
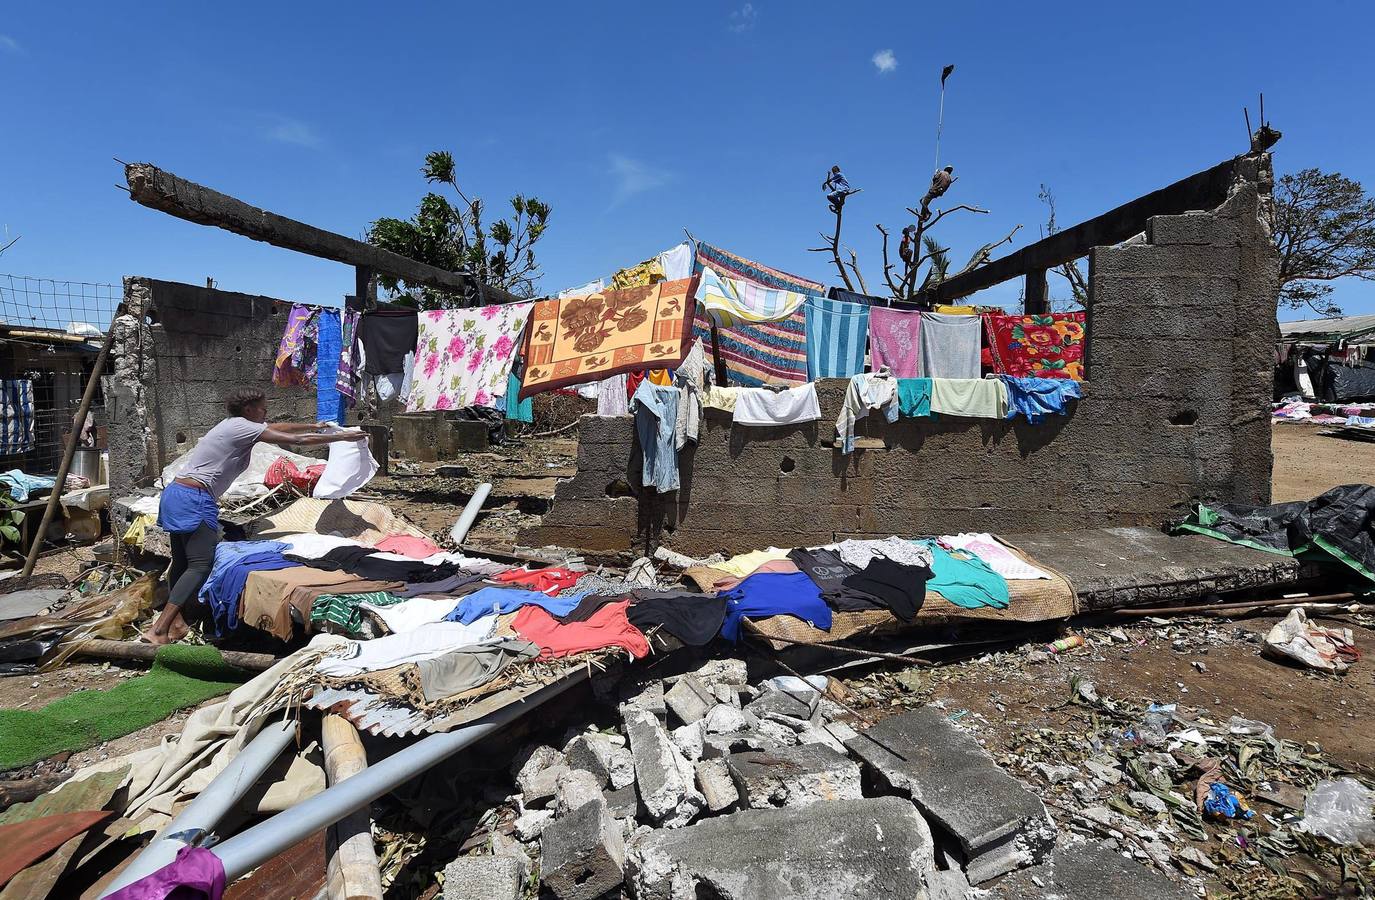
77, 424
352, 872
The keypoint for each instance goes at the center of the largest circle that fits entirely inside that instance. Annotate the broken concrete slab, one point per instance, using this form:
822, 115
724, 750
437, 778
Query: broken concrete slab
534, 758
538, 788
603, 756
575, 789
999, 823
582, 854
715, 746
688, 739
780, 703
649, 696
794, 776
716, 784
485, 878
1086, 871
724, 719
529, 825
623, 803
846, 850
664, 778
785, 736
689, 699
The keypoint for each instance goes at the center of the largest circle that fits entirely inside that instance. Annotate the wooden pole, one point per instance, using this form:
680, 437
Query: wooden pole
1320, 599
77, 424
142, 652
718, 363
351, 870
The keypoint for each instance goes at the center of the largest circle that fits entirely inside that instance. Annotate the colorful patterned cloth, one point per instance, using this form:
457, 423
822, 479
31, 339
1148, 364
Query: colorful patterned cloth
464, 355
342, 612
730, 265
895, 341
583, 339
1043, 346
738, 301
346, 380
766, 353
651, 271
16, 415
837, 333
296, 355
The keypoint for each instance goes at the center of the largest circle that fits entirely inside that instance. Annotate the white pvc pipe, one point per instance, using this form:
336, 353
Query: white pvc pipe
465, 521
246, 851
210, 805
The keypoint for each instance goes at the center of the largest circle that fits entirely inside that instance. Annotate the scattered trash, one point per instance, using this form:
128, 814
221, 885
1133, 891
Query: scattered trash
1340, 811
1224, 803
1066, 643
1324, 649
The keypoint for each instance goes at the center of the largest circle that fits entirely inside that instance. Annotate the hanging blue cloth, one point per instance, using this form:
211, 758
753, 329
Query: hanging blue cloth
837, 335
518, 410
1037, 398
775, 594
329, 406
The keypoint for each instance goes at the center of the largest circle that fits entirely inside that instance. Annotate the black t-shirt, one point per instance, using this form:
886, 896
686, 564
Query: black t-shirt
828, 571
900, 588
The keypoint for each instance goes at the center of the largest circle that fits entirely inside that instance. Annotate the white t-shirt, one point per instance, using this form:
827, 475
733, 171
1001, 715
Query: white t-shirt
223, 454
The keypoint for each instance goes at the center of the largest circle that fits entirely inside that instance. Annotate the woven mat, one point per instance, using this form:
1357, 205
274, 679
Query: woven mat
1037, 600
356, 519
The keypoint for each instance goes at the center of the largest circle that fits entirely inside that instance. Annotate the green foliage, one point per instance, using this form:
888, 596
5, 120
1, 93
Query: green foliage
10, 518
453, 236
1323, 225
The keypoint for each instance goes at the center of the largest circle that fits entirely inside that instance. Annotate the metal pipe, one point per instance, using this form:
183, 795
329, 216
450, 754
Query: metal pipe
465, 521
246, 851
212, 804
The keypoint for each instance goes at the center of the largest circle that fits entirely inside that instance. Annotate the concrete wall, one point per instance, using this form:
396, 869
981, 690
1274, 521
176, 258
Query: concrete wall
177, 362
1180, 345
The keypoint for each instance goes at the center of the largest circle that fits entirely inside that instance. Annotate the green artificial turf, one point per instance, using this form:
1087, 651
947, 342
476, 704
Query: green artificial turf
182, 675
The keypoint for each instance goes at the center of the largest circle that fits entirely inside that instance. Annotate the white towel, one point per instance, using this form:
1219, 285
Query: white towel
761, 406
950, 345
999, 558
408, 615
425, 642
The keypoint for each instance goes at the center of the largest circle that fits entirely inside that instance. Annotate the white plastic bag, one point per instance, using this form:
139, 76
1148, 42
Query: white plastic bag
1296, 638
1340, 811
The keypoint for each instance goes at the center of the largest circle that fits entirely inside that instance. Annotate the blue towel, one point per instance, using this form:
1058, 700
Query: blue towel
233, 561
1036, 398
329, 404
21, 484
504, 600
774, 594
16, 415
518, 410
837, 335
914, 396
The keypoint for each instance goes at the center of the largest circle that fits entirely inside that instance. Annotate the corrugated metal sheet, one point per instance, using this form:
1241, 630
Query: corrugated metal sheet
1344, 327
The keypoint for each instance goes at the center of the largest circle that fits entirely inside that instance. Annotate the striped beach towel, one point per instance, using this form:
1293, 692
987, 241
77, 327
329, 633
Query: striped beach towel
16, 415
738, 301
732, 265
762, 353
837, 333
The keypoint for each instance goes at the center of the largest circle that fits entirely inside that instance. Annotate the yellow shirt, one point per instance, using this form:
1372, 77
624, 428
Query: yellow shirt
955, 310
720, 397
642, 275
742, 565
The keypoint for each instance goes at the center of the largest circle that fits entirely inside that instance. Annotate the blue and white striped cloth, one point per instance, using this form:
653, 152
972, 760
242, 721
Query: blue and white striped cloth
735, 301
16, 415
837, 334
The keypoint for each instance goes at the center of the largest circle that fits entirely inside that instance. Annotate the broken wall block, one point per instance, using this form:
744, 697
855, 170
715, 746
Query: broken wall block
664, 778
794, 776
582, 854
485, 878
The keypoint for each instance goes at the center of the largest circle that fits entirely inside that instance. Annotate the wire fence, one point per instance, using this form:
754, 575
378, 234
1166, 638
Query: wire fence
50, 333
75, 307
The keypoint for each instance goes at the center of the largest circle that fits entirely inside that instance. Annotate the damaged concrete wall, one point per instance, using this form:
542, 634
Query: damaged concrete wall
176, 360
1181, 331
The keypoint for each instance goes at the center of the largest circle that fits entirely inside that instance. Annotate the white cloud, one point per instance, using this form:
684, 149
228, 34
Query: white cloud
743, 19
885, 61
285, 130
10, 44
632, 177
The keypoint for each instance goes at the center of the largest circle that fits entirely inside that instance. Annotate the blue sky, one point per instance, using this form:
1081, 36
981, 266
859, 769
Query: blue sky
636, 120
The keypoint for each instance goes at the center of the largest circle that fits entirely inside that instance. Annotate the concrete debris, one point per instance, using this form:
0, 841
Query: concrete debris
822, 734
665, 779
718, 745
649, 697
794, 776
1055, 774
999, 823
728, 671
689, 699
535, 759
538, 788
1198, 858
530, 824
576, 788
782, 734
688, 740
624, 803
485, 878
1085, 871
716, 784
725, 719
828, 851
1145, 800
780, 703
946, 884
582, 854
604, 756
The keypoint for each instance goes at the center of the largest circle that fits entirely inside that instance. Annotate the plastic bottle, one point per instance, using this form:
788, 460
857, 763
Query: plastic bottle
1066, 643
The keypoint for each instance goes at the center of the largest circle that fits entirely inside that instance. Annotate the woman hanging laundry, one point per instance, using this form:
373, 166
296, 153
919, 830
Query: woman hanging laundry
189, 508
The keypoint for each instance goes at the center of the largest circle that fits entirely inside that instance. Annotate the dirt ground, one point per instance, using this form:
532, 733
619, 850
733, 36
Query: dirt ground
1307, 463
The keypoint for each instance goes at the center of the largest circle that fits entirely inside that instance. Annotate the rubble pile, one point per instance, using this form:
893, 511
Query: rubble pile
713, 786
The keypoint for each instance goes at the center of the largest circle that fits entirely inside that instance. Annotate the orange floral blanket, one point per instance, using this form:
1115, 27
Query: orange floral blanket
1038, 346
581, 339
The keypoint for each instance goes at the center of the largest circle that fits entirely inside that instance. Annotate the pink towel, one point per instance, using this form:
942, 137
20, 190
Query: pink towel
894, 341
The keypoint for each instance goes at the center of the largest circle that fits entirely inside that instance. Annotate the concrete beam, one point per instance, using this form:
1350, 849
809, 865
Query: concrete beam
165, 192
1202, 191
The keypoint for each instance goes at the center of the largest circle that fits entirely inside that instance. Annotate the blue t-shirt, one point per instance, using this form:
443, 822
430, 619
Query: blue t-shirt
504, 600
775, 594
1036, 398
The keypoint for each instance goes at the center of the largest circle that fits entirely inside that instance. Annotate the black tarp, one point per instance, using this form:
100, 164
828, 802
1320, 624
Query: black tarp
1339, 525
1345, 384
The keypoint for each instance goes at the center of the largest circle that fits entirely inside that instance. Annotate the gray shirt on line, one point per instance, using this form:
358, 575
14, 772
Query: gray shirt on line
223, 454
